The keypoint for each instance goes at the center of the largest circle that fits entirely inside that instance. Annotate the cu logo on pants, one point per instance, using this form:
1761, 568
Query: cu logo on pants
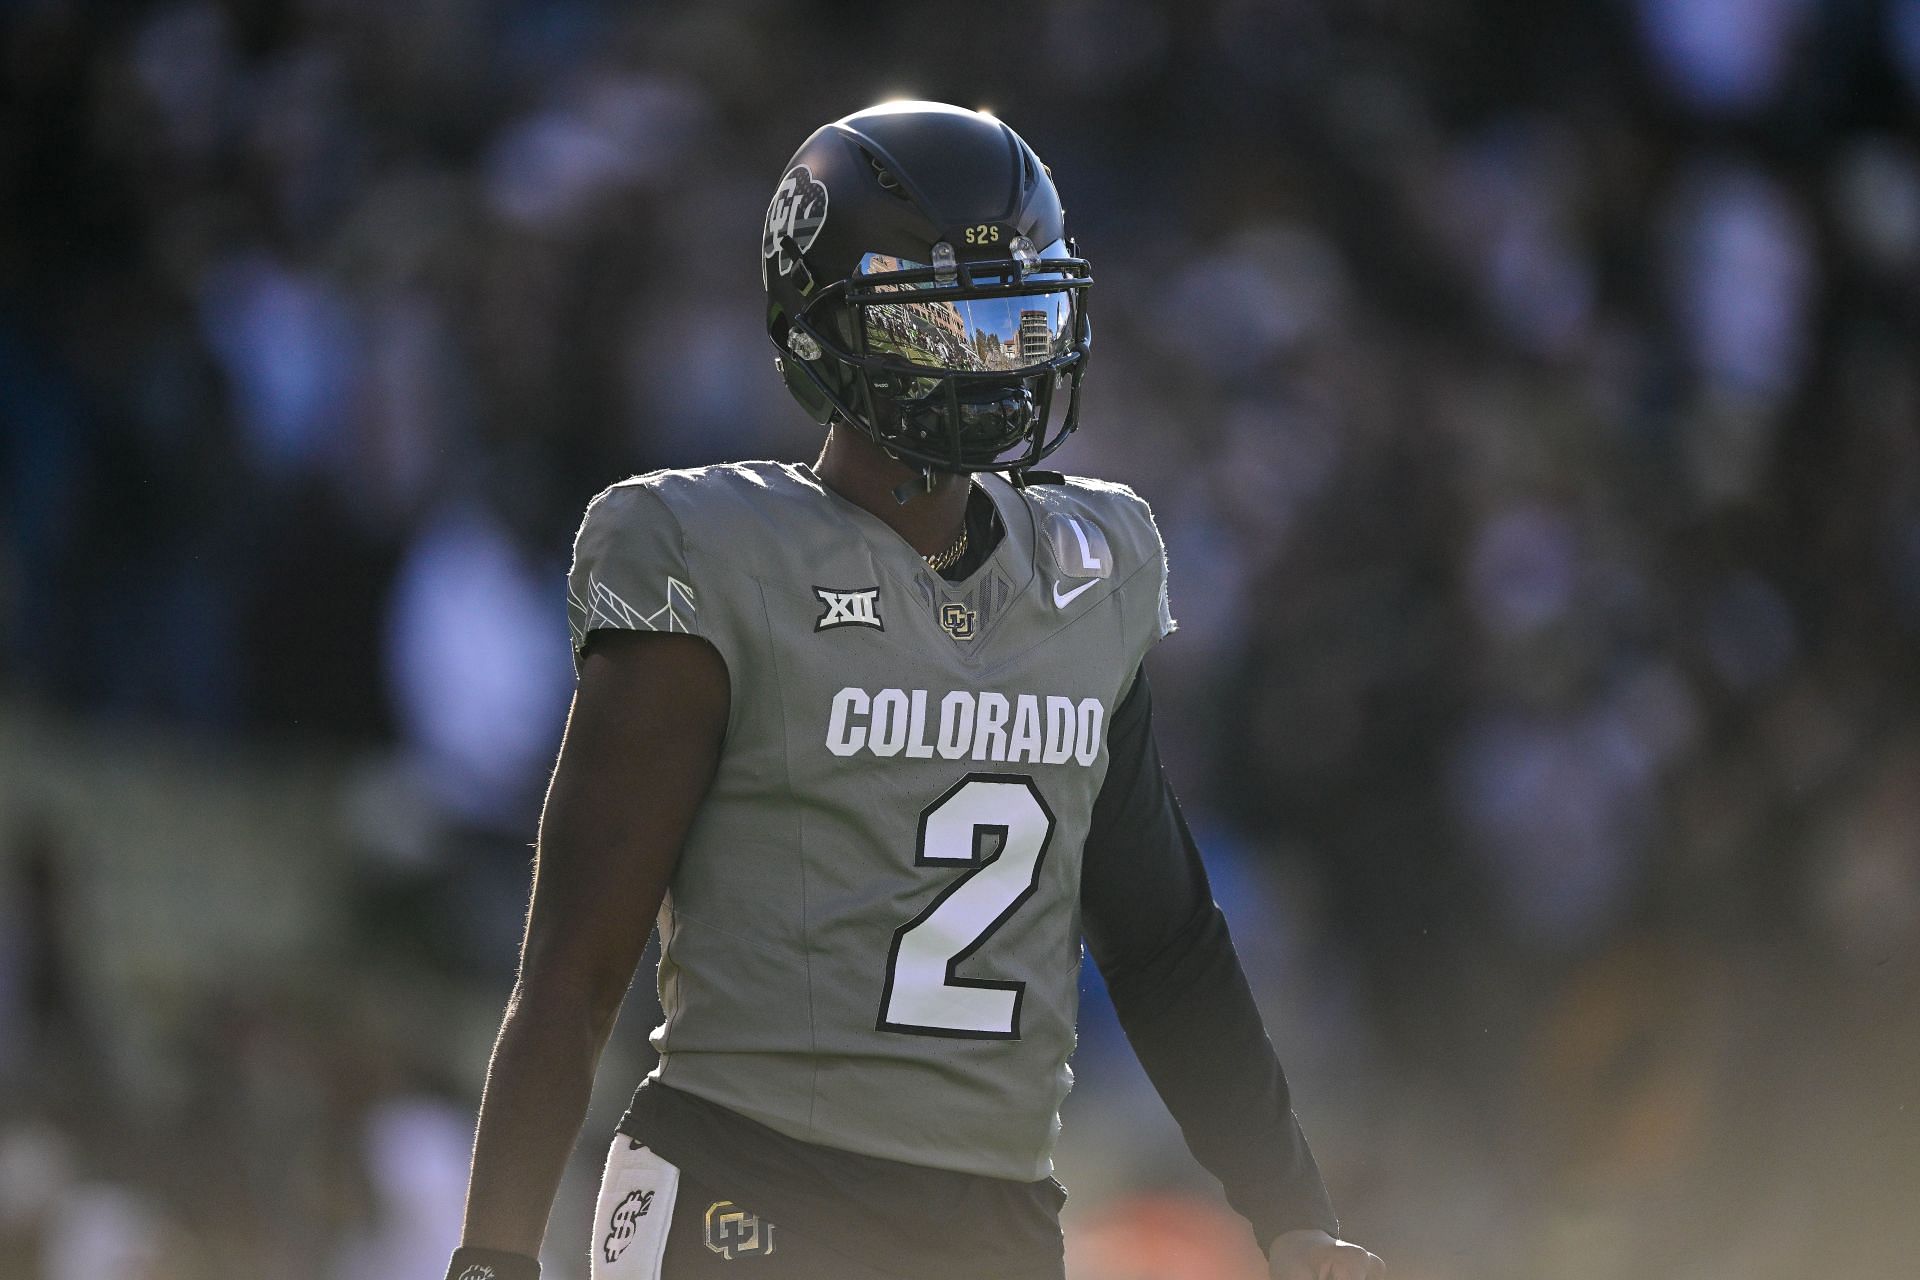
734, 1233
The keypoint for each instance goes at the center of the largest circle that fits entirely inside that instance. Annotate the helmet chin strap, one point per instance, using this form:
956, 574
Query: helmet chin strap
1009, 403
914, 486
920, 482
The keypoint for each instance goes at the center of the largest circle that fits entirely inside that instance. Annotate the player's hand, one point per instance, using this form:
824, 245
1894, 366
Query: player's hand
1315, 1255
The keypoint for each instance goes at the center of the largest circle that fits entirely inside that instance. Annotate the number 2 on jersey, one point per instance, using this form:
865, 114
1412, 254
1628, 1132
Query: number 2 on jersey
997, 824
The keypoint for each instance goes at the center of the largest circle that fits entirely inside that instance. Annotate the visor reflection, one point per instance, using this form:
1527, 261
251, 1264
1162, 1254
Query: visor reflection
983, 334
974, 335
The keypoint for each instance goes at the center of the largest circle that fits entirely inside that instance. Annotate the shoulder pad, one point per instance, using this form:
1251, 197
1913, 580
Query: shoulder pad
1025, 479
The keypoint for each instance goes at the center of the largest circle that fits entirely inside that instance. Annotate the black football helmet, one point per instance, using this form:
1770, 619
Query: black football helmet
921, 285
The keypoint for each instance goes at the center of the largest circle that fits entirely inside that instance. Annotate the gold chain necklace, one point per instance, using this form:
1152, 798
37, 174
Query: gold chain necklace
941, 561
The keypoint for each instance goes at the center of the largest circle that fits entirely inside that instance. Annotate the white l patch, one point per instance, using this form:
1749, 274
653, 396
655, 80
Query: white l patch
1079, 547
637, 1194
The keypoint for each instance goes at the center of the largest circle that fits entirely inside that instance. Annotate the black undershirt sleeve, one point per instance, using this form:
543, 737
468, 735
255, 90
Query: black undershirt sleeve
1183, 1000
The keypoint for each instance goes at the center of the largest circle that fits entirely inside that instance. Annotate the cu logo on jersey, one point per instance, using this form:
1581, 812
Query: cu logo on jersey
957, 620
849, 609
625, 1223
477, 1272
798, 211
732, 1232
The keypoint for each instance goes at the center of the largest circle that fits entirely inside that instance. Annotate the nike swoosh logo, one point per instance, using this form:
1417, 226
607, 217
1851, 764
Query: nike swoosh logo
1062, 601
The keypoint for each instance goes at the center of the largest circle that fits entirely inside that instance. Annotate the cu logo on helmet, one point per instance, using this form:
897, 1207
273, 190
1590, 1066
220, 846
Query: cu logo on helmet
626, 1221
798, 211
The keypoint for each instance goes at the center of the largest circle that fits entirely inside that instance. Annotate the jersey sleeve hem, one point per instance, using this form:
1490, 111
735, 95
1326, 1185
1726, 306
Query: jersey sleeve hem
630, 569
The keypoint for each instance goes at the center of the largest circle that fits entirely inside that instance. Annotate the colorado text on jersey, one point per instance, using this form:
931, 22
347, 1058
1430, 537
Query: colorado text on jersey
1024, 729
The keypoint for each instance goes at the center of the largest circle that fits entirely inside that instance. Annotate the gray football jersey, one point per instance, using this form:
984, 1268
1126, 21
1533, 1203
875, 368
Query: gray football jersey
872, 938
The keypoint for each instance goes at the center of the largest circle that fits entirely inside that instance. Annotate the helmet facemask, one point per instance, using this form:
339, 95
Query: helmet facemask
950, 364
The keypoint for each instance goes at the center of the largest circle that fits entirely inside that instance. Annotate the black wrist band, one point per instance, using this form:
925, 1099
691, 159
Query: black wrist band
491, 1264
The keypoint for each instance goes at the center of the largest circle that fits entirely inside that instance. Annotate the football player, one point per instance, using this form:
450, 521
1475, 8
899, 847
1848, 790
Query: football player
872, 740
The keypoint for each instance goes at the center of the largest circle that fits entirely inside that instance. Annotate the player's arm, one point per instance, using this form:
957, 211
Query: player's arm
1162, 946
641, 745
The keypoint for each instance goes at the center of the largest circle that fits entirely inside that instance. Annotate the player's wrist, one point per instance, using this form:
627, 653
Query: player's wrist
471, 1263
1296, 1238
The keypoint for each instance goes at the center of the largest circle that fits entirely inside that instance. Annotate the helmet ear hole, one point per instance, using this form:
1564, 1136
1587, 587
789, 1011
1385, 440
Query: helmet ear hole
799, 382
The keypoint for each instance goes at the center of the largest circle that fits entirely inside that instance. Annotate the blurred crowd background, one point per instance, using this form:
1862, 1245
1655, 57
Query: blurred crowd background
1529, 391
